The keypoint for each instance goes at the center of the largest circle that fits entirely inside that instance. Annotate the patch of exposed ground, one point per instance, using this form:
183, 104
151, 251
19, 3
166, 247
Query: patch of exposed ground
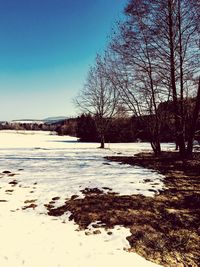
164, 229
30, 204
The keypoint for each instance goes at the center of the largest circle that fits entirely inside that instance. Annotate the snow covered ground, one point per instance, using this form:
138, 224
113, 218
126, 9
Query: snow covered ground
44, 166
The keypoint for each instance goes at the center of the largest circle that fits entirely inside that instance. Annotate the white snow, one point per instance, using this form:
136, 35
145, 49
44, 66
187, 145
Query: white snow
27, 122
48, 166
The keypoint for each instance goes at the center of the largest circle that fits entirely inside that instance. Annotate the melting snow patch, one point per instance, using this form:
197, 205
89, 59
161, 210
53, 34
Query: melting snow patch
59, 168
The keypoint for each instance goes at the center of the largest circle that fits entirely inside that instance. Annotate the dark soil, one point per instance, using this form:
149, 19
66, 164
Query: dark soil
165, 228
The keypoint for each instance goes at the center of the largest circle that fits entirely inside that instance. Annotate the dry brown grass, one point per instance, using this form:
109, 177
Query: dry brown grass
164, 229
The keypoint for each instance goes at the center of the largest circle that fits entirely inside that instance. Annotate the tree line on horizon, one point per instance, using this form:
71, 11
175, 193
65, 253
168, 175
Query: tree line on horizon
153, 58
126, 128
123, 128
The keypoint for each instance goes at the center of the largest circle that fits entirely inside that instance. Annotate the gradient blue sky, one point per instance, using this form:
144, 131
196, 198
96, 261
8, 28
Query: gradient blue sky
46, 47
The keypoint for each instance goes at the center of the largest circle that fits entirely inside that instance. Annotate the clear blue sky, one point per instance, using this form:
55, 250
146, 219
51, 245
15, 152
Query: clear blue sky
46, 47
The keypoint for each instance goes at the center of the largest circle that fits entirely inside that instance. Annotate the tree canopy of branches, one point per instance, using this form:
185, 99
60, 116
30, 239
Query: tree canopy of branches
157, 57
98, 98
153, 57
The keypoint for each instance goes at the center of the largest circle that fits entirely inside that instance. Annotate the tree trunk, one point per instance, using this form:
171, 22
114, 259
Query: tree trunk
178, 124
176, 147
155, 144
194, 123
181, 142
182, 119
156, 147
102, 141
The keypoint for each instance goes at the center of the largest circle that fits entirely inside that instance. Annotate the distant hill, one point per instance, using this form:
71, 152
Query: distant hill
55, 119
62, 125
48, 120
59, 118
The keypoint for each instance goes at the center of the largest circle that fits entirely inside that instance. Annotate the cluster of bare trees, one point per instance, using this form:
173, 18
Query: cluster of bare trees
153, 56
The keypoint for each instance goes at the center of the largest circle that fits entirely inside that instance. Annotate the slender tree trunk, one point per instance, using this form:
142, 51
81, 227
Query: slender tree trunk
179, 130
156, 147
181, 68
102, 141
156, 132
158, 140
155, 142
194, 123
101, 129
176, 147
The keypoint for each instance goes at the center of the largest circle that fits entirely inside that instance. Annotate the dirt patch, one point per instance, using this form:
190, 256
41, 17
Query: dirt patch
165, 228
14, 182
30, 201
31, 205
173, 238
6, 172
9, 191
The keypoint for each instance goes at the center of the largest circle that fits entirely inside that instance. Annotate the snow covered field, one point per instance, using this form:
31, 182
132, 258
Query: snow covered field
45, 166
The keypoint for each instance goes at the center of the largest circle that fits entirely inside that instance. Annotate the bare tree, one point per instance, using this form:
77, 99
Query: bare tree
98, 98
136, 68
194, 122
153, 57
159, 44
175, 27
